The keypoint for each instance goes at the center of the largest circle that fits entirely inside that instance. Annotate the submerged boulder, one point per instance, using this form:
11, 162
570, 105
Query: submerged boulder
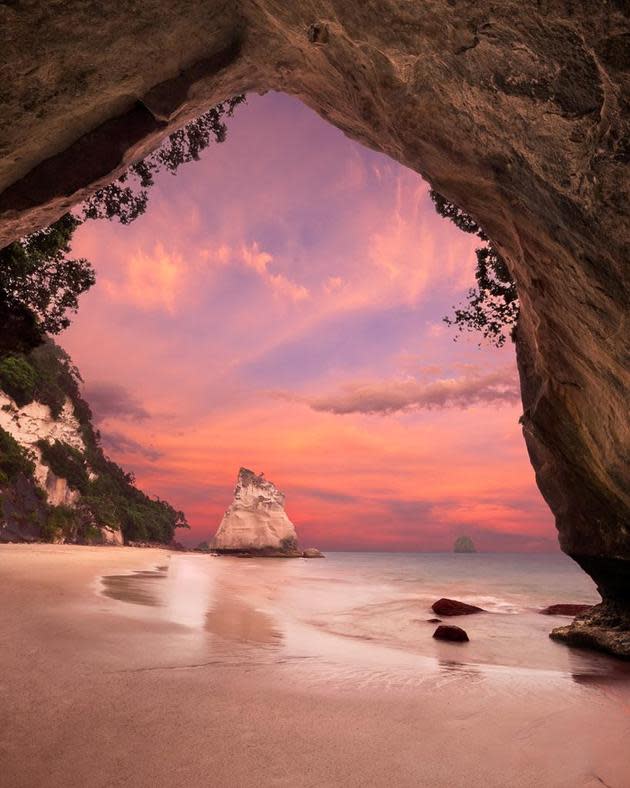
312, 552
565, 610
256, 523
451, 607
464, 544
452, 633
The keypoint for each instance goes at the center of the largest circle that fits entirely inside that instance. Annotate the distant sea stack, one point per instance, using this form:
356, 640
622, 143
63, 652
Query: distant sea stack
464, 544
256, 523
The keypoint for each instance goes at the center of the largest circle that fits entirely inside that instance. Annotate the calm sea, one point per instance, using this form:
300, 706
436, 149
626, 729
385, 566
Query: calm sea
351, 611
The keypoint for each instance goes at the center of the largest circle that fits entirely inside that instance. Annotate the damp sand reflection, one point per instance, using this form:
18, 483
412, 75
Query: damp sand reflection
137, 588
205, 596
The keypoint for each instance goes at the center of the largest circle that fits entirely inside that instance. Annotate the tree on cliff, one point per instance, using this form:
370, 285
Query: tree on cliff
126, 198
492, 307
40, 285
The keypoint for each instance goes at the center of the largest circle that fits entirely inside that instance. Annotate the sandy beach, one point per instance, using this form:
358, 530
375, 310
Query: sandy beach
195, 672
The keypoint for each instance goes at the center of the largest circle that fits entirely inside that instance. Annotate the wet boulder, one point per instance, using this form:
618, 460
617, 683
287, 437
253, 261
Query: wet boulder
452, 607
451, 633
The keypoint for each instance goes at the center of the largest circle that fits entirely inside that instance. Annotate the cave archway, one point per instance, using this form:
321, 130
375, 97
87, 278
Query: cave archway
515, 112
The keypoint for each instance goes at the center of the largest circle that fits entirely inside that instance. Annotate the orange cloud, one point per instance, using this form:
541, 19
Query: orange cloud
150, 280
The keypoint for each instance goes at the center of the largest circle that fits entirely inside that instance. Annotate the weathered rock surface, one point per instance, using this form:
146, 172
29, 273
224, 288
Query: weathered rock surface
464, 544
517, 111
565, 609
451, 607
111, 536
256, 523
451, 633
605, 627
22, 512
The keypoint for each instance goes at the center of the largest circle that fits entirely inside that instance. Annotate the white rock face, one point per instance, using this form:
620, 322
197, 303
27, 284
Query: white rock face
256, 520
34, 422
111, 536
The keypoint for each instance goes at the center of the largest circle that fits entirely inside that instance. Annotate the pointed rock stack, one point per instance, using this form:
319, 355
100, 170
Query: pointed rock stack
256, 523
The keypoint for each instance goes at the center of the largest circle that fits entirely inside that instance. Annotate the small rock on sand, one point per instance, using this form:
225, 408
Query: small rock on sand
451, 633
434, 620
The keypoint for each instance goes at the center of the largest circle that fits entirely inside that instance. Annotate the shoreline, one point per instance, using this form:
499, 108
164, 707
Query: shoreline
100, 692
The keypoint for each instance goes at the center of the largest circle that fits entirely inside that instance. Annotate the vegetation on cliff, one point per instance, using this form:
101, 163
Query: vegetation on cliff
493, 306
14, 460
40, 285
108, 495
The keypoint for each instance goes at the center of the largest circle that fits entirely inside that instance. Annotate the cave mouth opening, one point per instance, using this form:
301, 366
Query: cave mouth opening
297, 300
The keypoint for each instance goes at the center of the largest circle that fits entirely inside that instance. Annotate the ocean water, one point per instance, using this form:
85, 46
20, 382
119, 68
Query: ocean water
367, 613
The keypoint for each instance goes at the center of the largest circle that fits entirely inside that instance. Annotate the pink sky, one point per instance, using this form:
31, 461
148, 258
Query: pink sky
279, 307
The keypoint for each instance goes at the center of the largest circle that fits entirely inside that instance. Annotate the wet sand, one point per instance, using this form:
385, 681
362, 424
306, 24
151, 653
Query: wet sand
193, 673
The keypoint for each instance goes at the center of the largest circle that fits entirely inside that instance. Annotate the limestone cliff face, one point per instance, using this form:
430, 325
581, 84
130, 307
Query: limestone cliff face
34, 422
22, 517
517, 111
256, 521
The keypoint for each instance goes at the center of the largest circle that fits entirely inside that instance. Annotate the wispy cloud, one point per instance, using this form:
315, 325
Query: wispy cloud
123, 444
151, 280
259, 261
386, 397
111, 400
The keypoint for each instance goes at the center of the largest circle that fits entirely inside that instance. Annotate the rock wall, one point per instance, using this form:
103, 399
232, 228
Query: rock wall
256, 521
517, 111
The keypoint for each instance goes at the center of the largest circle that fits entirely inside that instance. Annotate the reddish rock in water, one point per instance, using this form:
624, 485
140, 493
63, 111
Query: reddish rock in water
565, 610
451, 633
451, 607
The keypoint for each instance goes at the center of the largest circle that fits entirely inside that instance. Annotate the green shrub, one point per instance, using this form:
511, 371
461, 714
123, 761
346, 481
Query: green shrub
66, 462
61, 522
57, 377
18, 378
115, 501
46, 375
13, 458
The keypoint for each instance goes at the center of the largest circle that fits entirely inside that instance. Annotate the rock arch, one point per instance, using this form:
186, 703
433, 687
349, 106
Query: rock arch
517, 111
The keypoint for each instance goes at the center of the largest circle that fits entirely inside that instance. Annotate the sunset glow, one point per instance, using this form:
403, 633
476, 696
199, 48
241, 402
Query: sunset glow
279, 306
